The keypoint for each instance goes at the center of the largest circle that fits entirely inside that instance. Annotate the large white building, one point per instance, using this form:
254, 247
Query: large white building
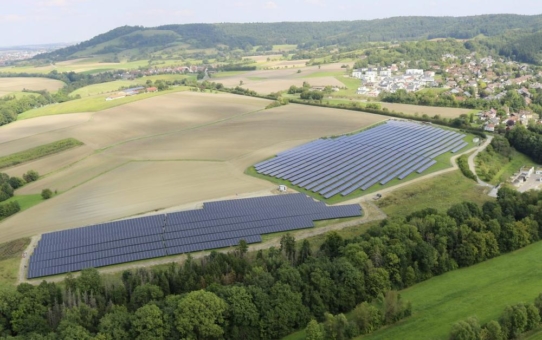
414, 72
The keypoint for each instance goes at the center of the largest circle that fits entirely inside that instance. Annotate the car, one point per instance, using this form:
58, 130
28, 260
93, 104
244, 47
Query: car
377, 197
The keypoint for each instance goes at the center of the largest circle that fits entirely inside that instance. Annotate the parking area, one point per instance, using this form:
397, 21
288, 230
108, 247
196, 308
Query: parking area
533, 182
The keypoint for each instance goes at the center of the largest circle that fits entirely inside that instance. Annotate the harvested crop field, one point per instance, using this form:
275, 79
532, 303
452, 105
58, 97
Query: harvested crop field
8, 85
431, 111
131, 189
267, 81
238, 137
26, 128
166, 151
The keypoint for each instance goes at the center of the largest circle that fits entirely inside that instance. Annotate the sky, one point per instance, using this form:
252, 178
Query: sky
25, 22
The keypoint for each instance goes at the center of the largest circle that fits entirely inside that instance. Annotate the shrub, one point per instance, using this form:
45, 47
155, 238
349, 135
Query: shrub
463, 163
31, 176
8, 209
46, 194
16, 182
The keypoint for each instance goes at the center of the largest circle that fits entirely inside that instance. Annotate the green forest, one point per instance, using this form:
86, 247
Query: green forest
304, 34
268, 295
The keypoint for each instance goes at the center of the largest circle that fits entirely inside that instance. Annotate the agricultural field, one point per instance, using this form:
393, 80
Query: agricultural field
92, 104
483, 291
267, 81
16, 85
114, 86
161, 152
83, 65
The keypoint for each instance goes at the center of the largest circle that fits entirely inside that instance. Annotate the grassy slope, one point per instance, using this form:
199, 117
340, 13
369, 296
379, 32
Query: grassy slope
112, 86
26, 201
483, 291
10, 257
38, 152
439, 192
92, 104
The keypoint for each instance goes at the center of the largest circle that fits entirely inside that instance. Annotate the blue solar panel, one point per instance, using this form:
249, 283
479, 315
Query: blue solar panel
218, 224
361, 160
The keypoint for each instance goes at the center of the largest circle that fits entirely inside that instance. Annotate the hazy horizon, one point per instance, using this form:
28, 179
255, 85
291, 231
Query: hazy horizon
36, 22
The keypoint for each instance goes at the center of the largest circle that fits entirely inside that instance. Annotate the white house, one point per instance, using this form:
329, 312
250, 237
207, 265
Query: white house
414, 72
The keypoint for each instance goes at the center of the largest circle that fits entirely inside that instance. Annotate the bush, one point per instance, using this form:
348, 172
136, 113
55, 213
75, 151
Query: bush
31, 176
16, 182
463, 163
46, 194
8, 209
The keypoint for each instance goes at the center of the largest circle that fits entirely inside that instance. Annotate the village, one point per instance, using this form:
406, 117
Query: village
463, 78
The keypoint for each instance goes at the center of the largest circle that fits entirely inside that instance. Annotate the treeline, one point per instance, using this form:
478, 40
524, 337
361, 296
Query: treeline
11, 106
271, 294
7, 187
514, 321
526, 141
428, 98
236, 67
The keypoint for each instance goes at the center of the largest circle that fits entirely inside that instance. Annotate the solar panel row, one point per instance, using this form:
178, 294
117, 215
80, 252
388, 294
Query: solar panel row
348, 163
218, 224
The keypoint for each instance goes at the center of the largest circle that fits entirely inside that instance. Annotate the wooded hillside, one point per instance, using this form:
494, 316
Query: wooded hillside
300, 33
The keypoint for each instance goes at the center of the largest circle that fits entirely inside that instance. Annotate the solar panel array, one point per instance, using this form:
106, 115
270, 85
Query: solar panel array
378, 155
217, 225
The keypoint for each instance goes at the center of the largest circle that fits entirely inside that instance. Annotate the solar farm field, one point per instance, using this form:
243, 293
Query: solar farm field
218, 225
164, 152
344, 165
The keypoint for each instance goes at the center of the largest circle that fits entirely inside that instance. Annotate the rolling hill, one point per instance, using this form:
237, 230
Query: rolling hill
200, 36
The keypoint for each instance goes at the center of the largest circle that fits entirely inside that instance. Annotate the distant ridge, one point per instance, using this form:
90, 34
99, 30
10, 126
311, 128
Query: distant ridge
235, 35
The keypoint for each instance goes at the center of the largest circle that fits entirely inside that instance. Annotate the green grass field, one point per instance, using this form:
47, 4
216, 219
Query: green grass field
38, 152
10, 257
483, 290
439, 192
26, 201
92, 104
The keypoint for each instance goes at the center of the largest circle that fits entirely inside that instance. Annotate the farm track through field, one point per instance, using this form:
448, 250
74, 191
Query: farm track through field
371, 213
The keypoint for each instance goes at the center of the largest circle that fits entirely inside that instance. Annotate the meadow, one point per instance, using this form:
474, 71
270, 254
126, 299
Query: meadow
483, 291
10, 257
